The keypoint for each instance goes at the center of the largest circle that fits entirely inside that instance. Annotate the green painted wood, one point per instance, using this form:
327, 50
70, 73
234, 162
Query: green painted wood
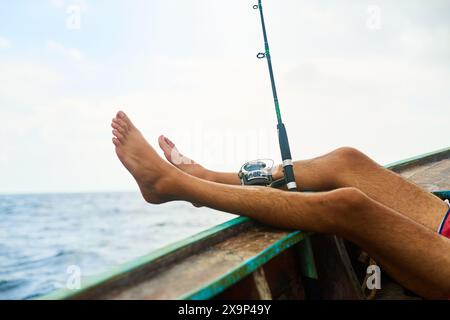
139, 262
244, 269
411, 160
228, 279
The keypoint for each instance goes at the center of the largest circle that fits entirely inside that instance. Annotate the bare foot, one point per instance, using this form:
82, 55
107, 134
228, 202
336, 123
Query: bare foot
181, 161
149, 170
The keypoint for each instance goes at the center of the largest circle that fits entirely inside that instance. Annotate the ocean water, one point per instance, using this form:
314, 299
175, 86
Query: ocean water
41, 236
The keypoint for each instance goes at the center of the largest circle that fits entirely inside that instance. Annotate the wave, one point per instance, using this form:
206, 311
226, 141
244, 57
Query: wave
7, 285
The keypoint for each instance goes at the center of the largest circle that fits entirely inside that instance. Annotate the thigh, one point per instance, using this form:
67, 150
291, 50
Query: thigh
415, 256
348, 167
398, 193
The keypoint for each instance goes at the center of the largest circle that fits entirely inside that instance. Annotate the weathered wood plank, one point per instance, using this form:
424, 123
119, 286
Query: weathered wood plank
432, 177
201, 268
261, 284
421, 160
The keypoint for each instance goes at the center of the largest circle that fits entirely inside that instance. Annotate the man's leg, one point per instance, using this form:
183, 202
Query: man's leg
344, 167
412, 254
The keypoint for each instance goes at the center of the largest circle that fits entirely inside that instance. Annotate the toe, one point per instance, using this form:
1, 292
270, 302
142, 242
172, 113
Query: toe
122, 124
170, 143
115, 125
166, 148
116, 141
122, 129
122, 116
118, 135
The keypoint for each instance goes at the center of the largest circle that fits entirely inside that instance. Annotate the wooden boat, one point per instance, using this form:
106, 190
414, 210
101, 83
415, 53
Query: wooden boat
242, 259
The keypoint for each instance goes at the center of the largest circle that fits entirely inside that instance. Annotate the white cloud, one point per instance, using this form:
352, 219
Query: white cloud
4, 42
22, 79
70, 53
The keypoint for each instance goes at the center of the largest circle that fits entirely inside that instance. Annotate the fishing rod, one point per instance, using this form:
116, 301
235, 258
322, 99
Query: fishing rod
258, 173
289, 178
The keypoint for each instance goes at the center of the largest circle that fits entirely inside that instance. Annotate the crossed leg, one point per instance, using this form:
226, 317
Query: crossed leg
344, 167
411, 253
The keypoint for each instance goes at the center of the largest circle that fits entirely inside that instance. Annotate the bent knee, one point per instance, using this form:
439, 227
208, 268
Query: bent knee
349, 155
343, 205
348, 159
347, 206
349, 198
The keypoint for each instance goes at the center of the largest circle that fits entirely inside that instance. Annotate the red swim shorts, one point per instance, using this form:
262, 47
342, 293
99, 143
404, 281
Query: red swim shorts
444, 228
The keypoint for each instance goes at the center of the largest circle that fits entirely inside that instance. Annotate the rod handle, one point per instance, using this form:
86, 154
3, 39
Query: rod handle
284, 142
286, 157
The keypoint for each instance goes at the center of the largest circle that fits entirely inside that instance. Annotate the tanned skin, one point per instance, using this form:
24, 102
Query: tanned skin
393, 220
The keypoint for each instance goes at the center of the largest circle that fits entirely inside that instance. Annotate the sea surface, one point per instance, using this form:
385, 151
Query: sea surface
42, 237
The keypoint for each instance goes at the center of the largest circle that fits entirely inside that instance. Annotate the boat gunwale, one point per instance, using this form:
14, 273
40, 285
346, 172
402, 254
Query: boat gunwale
138, 263
214, 286
422, 159
245, 268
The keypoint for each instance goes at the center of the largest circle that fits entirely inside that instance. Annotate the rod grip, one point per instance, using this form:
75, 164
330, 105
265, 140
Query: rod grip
286, 157
284, 142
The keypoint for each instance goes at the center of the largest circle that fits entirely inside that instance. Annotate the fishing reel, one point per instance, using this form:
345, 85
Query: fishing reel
259, 173
256, 173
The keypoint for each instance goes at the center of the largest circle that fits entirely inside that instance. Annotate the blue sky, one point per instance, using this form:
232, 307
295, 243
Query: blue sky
370, 74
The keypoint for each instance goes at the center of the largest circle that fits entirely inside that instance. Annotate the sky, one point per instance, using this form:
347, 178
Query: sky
373, 74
